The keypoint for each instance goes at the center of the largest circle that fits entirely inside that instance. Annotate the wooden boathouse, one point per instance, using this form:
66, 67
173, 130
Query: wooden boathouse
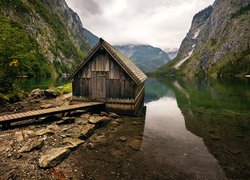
106, 75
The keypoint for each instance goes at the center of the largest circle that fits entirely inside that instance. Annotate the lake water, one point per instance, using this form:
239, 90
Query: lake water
201, 127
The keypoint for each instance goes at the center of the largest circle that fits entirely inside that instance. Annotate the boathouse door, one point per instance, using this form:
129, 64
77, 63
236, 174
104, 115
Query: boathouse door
99, 88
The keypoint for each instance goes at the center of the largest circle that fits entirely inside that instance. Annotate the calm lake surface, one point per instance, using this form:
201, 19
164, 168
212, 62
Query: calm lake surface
198, 127
202, 127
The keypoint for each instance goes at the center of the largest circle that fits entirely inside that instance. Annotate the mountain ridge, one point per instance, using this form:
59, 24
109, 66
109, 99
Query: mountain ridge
146, 57
217, 43
59, 39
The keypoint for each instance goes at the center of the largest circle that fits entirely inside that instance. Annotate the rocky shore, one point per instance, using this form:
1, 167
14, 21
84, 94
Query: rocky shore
36, 149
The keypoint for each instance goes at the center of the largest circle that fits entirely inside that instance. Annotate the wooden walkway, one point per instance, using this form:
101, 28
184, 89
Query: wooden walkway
10, 118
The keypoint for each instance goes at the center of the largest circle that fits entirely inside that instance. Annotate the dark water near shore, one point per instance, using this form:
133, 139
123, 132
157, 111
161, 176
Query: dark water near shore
202, 127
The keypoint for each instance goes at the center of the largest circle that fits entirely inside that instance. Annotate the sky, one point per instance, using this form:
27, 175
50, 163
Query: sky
160, 23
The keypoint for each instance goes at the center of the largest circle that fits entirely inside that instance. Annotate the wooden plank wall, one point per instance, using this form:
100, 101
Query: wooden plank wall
102, 72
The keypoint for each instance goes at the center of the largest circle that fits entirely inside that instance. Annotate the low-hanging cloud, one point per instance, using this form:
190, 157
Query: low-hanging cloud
162, 23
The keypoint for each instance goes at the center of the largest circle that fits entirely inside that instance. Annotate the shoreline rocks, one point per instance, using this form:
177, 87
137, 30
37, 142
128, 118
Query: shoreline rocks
53, 157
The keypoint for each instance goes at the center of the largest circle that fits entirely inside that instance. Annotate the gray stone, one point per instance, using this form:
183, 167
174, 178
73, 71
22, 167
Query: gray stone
19, 136
53, 157
99, 120
30, 146
115, 124
72, 142
119, 121
135, 144
81, 121
45, 131
123, 139
28, 133
37, 93
104, 114
46, 106
113, 115
86, 131
53, 127
72, 131
86, 116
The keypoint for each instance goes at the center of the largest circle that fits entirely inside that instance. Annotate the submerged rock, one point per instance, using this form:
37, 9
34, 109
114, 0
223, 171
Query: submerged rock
30, 146
135, 144
53, 157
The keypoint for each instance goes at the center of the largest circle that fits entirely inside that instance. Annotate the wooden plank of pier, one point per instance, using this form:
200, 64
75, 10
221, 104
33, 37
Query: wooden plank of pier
9, 118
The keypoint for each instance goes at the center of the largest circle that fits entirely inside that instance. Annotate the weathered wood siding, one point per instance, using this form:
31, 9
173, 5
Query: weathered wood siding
102, 78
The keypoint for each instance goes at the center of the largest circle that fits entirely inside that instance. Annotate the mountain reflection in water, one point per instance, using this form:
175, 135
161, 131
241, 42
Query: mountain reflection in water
201, 127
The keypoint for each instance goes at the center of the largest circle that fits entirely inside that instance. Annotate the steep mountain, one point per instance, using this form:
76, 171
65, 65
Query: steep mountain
146, 57
41, 38
218, 42
172, 53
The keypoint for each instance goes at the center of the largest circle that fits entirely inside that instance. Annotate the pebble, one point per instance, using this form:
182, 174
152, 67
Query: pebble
123, 139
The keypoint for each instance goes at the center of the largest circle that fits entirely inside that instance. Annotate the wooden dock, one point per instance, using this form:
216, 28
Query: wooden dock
10, 118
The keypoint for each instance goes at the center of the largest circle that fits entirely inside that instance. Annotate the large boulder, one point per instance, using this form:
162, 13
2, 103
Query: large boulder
53, 157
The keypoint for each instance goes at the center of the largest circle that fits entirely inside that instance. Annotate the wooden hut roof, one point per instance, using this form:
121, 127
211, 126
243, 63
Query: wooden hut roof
133, 71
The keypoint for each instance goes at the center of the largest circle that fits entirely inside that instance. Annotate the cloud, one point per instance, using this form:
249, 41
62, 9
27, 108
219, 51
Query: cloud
162, 23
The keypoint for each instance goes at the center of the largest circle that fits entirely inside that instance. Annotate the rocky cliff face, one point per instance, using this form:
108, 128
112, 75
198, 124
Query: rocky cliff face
57, 32
217, 43
146, 57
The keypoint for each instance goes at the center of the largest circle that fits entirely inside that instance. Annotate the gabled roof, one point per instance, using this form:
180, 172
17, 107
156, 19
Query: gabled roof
132, 70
